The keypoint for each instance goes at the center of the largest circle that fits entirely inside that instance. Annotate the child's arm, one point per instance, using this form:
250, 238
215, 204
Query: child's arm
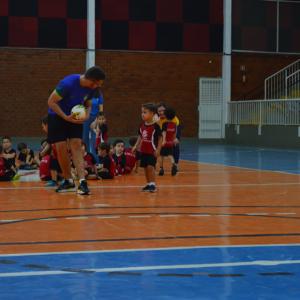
122, 163
45, 149
95, 169
8, 156
137, 145
29, 159
164, 138
157, 152
102, 170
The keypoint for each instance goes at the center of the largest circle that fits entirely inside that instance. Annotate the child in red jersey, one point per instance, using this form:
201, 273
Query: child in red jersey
119, 157
8, 152
7, 171
109, 167
150, 141
89, 163
45, 173
55, 169
132, 159
100, 130
169, 131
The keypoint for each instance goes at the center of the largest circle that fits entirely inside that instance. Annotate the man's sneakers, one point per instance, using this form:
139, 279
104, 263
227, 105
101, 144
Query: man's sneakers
83, 188
66, 187
51, 183
174, 170
149, 188
161, 172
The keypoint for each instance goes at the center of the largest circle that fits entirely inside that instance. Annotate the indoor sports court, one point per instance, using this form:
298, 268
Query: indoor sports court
222, 222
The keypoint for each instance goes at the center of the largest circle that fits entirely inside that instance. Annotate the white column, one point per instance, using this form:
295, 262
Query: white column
90, 54
226, 70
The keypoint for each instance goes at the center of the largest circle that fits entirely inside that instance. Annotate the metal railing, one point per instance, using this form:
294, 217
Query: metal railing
292, 84
264, 112
275, 85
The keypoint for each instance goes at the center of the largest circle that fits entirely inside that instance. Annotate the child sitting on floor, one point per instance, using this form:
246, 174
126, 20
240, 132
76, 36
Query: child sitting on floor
100, 130
7, 171
119, 157
132, 159
9, 153
109, 166
26, 157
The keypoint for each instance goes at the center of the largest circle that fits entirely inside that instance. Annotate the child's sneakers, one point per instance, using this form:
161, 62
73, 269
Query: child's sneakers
62, 181
16, 177
152, 189
52, 183
174, 170
161, 172
27, 167
146, 188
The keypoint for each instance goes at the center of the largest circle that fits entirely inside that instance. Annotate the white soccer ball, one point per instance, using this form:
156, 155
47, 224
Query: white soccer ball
80, 112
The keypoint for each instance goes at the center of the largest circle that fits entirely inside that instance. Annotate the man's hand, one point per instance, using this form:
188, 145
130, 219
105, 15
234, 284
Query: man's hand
176, 142
156, 153
72, 120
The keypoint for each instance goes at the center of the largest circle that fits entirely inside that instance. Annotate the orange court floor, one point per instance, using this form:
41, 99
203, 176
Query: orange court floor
205, 204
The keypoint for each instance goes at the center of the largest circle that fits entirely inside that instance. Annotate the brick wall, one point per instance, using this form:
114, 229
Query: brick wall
258, 68
28, 76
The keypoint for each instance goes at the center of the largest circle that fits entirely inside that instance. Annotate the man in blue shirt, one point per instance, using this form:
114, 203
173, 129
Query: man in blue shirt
71, 91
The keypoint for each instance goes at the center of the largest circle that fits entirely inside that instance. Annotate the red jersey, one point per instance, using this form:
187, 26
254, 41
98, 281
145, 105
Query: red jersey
109, 164
54, 156
89, 161
45, 167
102, 135
170, 129
149, 137
120, 162
4, 165
131, 159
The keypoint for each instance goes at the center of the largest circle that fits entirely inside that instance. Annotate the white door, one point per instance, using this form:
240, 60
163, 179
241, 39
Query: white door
210, 108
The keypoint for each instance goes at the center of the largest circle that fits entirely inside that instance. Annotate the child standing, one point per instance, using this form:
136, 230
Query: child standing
7, 171
150, 140
8, 153
169, 131
119, 157
132, 159
109, 166
100, 130
26, 157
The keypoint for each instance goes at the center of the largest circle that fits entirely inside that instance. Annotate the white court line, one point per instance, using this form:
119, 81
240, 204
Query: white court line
49, 219
199, 215
101, 204
286, 213
168, 186
11, 220
77, 218
149, 249
171, 267
163, 216
108, 217
139, 216
257, 214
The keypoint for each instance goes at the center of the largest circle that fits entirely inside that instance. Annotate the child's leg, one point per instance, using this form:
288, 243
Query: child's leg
91, 177
33, 166
147, 175
53, 175
161, 161
171, 158
151, 174
104, 175
9, 175
37, 161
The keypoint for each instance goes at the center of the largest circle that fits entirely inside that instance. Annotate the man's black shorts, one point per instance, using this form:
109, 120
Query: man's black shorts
60, 130
147, 160
54, 165
165, 151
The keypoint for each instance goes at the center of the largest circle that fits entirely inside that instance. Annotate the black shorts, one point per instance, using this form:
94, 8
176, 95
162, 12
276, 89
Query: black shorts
147, 160
9, 175
105, 175
59, 130
54, 165
165, 151
89, 172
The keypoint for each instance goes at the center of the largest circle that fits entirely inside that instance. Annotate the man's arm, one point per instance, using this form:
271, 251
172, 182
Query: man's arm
52, 102
88, 107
